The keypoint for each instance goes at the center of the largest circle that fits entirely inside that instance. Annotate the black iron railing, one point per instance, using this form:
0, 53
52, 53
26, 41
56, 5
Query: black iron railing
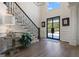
19, 13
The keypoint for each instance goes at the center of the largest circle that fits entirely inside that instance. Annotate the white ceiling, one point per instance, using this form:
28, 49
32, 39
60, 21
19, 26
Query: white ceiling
39, 3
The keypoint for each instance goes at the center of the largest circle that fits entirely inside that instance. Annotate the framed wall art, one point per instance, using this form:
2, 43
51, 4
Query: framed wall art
65, 21
43, 24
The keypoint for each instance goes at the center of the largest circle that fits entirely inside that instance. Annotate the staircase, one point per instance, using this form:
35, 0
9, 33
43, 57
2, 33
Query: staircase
22, 20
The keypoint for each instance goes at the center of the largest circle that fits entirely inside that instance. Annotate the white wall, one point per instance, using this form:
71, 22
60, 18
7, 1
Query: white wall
32, 11
2, 8
65, 30
75, 17
2, 11
73, 25
67, 33
5, 18
39, 14
63, 11
77, 23
29, 7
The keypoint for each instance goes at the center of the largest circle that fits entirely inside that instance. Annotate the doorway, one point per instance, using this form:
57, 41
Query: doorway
53, 28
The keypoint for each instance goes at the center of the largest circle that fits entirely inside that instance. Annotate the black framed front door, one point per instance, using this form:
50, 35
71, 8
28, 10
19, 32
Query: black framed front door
53, 27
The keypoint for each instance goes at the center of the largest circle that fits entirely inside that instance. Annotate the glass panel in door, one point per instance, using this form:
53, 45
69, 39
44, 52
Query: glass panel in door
49, 27
56, 28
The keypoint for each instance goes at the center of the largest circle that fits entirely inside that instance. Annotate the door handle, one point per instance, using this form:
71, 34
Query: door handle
52, 30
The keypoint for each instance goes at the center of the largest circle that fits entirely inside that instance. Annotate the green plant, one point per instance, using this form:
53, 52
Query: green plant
25, 40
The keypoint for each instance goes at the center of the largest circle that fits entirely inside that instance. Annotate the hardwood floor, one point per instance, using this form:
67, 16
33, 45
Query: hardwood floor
49, 48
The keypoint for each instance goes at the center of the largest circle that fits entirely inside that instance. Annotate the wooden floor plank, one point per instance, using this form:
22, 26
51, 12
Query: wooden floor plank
49, 48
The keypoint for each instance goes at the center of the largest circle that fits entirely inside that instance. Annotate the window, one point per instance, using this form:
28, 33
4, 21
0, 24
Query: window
53, 5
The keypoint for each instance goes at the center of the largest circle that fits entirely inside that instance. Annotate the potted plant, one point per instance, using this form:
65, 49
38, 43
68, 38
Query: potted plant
25, 40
